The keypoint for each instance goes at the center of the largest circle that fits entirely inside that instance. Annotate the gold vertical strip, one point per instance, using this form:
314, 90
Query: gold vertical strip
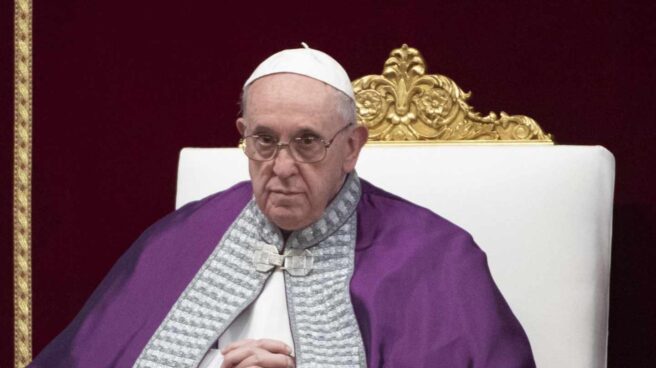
22, 182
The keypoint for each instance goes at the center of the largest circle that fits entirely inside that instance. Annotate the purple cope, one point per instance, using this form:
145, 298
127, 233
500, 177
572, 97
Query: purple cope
421, 289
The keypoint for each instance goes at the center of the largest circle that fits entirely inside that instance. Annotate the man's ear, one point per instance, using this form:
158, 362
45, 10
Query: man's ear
241, 126
357, 138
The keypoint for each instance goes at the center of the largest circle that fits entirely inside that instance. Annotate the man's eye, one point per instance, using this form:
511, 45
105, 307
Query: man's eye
307, 140
266, 140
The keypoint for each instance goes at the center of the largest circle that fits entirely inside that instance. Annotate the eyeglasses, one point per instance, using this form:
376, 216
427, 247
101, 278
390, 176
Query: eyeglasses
306, 148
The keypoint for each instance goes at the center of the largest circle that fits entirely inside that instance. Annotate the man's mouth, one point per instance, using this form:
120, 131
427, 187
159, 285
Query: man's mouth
284, 192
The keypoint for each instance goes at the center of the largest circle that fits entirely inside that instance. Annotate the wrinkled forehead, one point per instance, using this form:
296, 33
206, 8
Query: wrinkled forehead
291, 98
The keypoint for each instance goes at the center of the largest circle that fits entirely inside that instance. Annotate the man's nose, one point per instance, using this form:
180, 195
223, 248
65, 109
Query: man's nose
284, 164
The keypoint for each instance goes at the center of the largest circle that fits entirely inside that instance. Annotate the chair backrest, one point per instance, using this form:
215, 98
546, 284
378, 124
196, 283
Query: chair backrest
542, 214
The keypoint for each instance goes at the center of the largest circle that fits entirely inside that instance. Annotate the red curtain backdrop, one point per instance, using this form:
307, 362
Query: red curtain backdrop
120, 87
6, 149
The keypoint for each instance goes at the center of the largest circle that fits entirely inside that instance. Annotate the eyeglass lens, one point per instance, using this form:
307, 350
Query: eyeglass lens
302, 149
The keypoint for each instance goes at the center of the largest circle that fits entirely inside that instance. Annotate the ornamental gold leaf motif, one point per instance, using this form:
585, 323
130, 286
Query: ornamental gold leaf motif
406, 104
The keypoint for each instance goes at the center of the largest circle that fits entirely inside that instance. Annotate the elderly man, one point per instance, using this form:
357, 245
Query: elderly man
306, 265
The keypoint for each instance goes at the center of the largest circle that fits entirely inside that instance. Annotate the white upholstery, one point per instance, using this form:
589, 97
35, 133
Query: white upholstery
542, 214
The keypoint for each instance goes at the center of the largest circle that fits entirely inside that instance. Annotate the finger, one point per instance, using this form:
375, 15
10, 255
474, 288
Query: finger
274, 346
237, 344
267, 360
238, 355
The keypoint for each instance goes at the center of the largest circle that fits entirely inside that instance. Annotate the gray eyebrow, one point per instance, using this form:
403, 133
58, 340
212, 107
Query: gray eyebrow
263, 129
303, 131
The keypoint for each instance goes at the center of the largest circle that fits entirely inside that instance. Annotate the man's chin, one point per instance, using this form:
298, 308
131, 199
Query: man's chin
288, 223
287, 219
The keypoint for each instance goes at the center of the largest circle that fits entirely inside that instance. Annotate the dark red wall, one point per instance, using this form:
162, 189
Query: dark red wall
6, 149
121, 87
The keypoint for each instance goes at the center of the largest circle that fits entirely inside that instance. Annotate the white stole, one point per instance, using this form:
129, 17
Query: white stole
266, 318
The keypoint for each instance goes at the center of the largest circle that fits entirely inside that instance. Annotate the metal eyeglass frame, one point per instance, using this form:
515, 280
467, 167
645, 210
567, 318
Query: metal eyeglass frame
326, 143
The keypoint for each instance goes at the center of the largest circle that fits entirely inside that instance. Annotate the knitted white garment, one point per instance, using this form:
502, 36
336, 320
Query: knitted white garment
323, 324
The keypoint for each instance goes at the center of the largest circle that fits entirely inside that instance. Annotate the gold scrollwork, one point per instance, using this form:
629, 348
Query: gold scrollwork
406, 104
22, 183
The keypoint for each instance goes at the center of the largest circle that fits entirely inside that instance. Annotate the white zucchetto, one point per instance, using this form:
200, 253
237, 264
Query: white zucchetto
305, 61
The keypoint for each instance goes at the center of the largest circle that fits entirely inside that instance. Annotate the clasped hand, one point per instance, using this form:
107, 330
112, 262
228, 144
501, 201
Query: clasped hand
263, 353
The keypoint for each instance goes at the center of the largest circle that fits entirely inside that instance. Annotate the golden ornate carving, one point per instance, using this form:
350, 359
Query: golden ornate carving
22, 182
405, 104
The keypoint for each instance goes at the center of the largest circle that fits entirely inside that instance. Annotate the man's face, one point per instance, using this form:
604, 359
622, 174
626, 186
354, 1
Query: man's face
292, 194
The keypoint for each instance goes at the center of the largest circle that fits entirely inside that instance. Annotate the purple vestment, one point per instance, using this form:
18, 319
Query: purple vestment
421, 289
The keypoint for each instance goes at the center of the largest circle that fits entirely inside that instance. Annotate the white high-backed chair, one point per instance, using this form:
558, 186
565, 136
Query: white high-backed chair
541, 212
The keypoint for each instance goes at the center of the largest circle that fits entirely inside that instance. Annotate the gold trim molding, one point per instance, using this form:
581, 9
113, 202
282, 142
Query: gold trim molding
22, 183
405, 104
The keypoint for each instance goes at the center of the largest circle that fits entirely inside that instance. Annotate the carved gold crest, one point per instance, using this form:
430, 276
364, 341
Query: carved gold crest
405, 104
